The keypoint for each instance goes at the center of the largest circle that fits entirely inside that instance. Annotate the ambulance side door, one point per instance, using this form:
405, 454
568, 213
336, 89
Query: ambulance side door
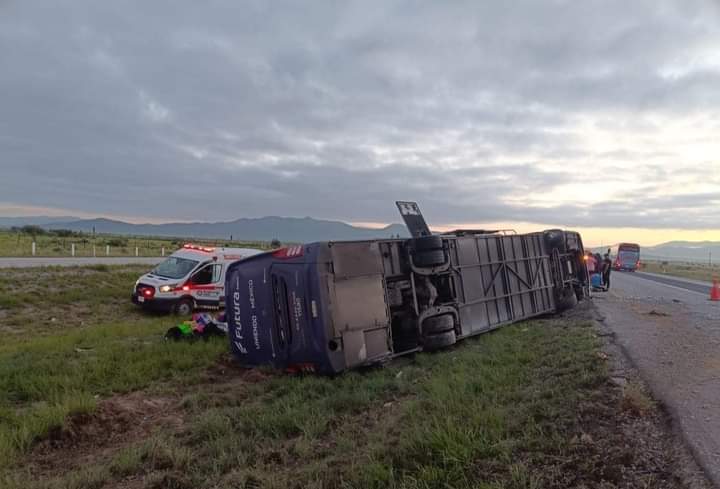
207, 286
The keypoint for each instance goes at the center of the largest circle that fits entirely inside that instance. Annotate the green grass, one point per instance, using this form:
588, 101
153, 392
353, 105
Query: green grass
49, 300
504, 410
71, 336
46, 378
490, 413
17, 244
695, 271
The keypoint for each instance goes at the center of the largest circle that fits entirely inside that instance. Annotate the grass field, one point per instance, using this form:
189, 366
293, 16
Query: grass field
96, 398
17, 244
71, 335
695, 271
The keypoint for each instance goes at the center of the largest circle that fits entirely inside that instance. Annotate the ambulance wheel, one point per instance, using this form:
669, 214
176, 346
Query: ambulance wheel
434, 342
430, 258
438, 324
184, 307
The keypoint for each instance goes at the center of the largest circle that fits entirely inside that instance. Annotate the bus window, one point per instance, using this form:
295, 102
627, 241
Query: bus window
282, 310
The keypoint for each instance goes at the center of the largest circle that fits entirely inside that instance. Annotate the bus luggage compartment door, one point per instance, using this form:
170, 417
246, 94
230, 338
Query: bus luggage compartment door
359, 309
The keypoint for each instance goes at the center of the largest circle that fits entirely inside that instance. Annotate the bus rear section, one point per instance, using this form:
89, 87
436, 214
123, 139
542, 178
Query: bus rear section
274, 304
627, 257
321, 309
340, 305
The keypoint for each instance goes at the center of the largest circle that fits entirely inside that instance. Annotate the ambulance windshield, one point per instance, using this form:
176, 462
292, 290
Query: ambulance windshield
175, 267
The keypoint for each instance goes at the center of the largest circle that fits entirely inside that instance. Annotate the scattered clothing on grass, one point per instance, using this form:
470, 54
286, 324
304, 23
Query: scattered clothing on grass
201, 325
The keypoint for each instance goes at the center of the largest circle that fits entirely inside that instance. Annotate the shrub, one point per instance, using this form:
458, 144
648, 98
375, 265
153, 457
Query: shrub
117, 242
32, 230
65, 233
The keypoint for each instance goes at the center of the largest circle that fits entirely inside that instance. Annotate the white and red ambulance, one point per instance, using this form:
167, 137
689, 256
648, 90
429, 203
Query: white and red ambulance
192, 277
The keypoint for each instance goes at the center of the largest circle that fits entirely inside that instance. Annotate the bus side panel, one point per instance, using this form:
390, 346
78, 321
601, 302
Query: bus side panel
500, 279
466, 257
540, 274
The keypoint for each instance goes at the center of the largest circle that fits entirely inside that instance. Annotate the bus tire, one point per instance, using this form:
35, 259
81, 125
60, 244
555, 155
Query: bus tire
579, 292
555, 238
438, 341
565, 300
427, 243
429, 258
438, 324
184, 307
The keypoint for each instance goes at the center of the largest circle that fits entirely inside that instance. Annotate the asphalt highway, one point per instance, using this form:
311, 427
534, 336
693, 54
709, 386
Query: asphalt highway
687, 284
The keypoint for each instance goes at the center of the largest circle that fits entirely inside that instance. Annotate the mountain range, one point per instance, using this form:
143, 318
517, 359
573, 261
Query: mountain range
697, 251
307, 229
286, 229
8, 222
690, 251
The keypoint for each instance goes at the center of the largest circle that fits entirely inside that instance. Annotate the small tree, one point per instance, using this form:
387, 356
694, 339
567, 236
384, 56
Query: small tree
32, 230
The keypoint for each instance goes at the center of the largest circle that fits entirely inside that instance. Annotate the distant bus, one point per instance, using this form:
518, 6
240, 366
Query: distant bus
627, 256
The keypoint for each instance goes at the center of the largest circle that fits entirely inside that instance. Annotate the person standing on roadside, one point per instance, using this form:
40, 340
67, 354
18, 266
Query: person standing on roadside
591, 263
606, 267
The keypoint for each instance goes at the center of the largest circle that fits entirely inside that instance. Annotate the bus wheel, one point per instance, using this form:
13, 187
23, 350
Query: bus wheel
428, 251
565, 300
438, 324
579, 293
426, 243
555, 238
434, 342
431, 258
184, 307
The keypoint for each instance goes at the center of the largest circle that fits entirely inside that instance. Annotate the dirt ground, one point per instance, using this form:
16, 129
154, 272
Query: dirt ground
641, 416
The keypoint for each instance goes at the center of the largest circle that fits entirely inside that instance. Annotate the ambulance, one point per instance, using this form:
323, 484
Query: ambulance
191, 278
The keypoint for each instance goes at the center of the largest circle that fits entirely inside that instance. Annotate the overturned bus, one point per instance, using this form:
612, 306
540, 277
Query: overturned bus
330, 306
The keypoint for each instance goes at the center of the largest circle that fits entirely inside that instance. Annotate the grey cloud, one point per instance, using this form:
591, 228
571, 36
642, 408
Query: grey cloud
210, 110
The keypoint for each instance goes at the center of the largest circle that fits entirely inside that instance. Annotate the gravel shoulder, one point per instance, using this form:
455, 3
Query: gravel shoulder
673, 338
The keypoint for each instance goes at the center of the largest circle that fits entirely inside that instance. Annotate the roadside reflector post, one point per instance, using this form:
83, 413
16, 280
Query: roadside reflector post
162, 251
72, 249
136, 251
94, 252
33, 248
107, 250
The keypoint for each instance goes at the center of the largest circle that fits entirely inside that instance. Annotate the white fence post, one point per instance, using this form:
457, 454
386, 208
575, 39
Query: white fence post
72, 249
136, 251
107, 250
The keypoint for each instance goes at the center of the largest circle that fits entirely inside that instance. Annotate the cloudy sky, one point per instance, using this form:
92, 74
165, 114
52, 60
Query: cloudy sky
594, 115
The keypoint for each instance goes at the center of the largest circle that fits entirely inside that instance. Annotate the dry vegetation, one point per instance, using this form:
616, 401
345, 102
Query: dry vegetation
695, 271
59, 243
